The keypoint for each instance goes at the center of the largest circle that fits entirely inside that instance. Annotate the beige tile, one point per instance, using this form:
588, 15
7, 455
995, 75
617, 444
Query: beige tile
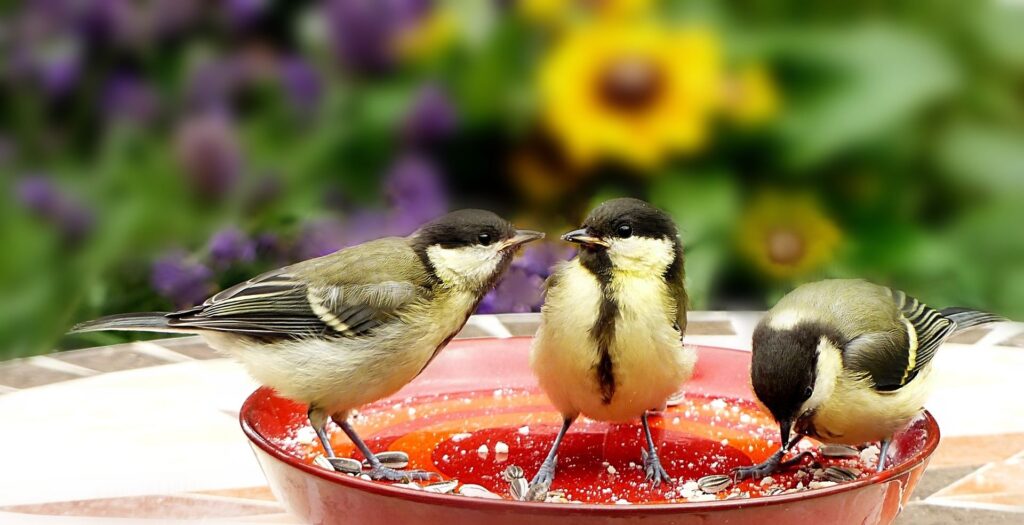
259, 493
956, 451
110, 358
969, 337
976, 390
142, 507
21, 374
999, 484
131, 433
723, 327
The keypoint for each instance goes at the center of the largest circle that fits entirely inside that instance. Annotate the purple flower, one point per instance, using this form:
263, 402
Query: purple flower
302, 83
171, 17
330, 235
431, 117
517, 292
244, 13
209, 153
129, 98
269, 246
212, 84
540, 258
363, 31
415, 192
40, 196
230, 246
184, 283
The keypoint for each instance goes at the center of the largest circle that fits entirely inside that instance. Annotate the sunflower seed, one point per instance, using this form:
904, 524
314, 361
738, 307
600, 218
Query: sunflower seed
714, 483
391, 459
676, 399
774, 491
538, 492
513, 472
556, 497
442, 487
839, 451
346, 465
840, 474
518, 487
476, 491
321, 461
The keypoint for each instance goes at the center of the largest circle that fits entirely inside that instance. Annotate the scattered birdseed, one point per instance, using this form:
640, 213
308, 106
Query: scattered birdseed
410, 486
365, 477
714, 483
538, 492
622, 502
442, 487
395, 459
476, 491
346, 465
869, 456
501, 448
718, 404
767, 480
820, 484
459, 437
518, 487
321, 461
482, 451
513, 472
524, 430
611, 470
839, 451
839, 474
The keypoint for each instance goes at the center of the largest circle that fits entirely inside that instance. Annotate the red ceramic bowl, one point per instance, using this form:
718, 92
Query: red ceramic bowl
481, 391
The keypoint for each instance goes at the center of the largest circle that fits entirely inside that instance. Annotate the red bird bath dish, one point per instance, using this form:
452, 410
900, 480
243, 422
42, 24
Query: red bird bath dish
476, 411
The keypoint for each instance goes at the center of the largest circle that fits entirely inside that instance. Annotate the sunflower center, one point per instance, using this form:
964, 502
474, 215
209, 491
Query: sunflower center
785, 247
630, 84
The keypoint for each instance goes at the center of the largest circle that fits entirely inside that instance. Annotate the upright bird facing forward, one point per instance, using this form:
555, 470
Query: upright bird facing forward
354, 326
610, 342
847, 361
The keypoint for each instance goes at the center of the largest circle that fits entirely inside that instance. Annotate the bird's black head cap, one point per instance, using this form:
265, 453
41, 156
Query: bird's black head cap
464, 228
784, 366
630, 217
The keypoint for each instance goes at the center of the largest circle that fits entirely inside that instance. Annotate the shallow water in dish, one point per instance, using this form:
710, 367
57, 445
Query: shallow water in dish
459, 434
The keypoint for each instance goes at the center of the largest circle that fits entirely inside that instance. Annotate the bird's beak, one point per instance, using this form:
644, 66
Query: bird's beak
582, 237
784, 429
521, 237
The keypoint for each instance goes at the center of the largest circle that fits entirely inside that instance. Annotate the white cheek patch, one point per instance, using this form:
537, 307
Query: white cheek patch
785, 319
830, 365
641, 254
469, 265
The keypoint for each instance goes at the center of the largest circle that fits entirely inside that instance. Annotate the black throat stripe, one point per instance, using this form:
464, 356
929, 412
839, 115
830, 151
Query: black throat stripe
603, 331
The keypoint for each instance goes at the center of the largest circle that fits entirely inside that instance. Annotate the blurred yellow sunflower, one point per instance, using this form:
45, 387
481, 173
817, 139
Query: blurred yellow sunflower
633, 92
427, 37
558, 11
786, 236
751, 97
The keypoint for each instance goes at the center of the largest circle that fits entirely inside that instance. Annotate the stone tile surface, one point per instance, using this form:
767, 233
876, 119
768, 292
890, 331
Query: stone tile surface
20, 374
997, 485
110, 359
925, 514
143, 507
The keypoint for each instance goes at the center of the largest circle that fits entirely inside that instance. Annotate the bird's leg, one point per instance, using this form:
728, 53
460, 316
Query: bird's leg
883, 452
377, 470
318, 420
546, 473
652, 465
773, 463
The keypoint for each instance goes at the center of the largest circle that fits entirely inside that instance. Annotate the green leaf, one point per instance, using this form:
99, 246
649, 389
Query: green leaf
704, 205
984, 156
865, 81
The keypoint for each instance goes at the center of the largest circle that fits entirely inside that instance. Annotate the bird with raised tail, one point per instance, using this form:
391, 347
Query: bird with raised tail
609, 346
847, 361
352, 327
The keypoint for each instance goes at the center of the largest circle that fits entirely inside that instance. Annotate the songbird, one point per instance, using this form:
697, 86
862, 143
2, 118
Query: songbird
609, 345
354, 326
847, 361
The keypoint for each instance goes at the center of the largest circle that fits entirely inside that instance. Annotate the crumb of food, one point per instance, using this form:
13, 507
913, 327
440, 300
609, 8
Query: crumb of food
482, 451
622, 502
767, 480
365, 477
820, 484
460, 436
524, 430
869, 456
305, 436
718, 404
501, 447
703, 497
611, 470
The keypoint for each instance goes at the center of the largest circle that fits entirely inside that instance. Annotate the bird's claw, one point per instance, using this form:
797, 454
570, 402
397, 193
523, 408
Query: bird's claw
382, 473
545, 475
653, 470
755, 471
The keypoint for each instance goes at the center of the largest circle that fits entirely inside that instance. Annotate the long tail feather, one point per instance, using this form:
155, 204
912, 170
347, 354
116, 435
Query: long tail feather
136, 322
966, 318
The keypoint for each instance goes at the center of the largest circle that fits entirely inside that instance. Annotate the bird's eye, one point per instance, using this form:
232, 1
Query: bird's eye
625, 231
808, 392
484, 239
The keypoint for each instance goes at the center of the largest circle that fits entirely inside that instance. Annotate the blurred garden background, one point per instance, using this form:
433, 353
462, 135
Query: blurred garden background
154, 152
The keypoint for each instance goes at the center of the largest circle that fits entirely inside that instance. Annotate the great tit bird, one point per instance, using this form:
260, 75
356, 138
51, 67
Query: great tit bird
847, 361
352, 327
609, 345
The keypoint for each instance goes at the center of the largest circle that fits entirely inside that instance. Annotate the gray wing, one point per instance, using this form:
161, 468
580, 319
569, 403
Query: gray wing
893, 358
281, 304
